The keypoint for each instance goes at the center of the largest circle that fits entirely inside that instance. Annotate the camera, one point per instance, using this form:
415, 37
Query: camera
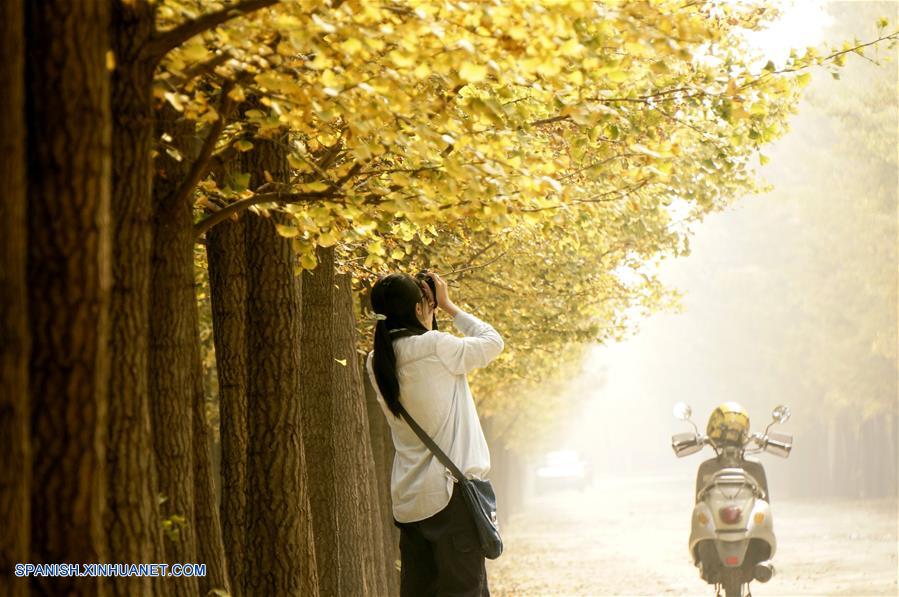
424, 277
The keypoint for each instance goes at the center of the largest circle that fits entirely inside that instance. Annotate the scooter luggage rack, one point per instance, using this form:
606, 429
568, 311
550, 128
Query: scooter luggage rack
732, 476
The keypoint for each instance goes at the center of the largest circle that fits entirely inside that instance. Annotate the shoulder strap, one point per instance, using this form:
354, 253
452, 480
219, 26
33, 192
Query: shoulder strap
433, 447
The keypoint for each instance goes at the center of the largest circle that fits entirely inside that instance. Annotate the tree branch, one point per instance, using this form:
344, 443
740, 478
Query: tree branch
205, 68
163, 43
550, 120
831, 57
605, 197
353, 171
474, 267
238, 206
200, 168
330, 155
480, 252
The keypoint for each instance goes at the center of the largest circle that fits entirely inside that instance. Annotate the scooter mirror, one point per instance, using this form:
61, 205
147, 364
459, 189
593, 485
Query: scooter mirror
682, 411
781, 414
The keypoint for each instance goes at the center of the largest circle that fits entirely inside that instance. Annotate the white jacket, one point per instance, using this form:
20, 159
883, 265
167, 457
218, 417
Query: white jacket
431, 370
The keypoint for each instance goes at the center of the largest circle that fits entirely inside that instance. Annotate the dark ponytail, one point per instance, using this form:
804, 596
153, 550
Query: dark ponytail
393, 297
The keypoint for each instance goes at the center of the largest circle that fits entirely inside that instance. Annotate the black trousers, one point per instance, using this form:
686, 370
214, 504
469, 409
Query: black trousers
441, 555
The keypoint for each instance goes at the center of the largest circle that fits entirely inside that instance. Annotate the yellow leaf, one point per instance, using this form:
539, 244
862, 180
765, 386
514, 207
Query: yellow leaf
287, 231
549, 68
308, 261
473, 73
320, 62
401, 59
175, 100
329, 238
351, 46
195, 52
645, 150
341, 361
237, 94
313, 187
329, 78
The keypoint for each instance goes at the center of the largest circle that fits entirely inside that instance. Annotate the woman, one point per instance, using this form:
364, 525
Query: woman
425, 370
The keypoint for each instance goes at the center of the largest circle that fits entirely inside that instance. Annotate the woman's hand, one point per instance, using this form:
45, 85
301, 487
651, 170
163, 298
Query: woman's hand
443, 299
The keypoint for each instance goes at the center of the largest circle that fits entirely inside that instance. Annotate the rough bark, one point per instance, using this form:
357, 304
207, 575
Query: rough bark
180, 430
227, 282
317, 375
133, 523
14, 427
69, 278
280, 551
358, 510
210, 545
382, 450
173, 332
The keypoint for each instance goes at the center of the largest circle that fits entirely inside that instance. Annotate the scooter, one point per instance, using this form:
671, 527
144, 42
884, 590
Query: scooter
732, 537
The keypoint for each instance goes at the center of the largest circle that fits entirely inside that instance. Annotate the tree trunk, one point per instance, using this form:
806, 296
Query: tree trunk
210, 545
227, 282
280, 549
358, 510
318, 416
180, 430
14, 434
892, 452
69, 278
133, 523
173, 333
382, 449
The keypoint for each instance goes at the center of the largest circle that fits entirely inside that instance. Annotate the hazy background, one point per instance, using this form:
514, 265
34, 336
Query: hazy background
789, 298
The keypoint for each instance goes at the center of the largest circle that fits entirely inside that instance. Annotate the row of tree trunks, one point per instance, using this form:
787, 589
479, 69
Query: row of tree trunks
841, 455
14, 349
258, 334
69, 278
133, 522
877, 455
383, 451
280, 550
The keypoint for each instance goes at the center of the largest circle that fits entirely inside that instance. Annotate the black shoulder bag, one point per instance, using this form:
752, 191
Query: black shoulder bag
479, 496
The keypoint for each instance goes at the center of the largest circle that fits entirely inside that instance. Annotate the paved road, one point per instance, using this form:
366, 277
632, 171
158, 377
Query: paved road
628, 537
